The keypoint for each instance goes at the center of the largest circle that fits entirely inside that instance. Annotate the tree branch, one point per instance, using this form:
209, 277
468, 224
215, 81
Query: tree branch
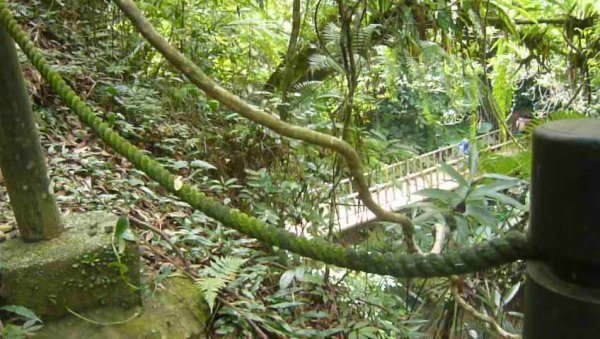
476, 314
440, 237
556, 21
163, 235
287, 80
295, 32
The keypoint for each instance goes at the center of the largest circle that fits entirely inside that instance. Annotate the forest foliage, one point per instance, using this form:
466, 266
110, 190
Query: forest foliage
391, 78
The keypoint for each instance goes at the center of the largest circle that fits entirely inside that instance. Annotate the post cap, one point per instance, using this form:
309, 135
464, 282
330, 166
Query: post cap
565, 190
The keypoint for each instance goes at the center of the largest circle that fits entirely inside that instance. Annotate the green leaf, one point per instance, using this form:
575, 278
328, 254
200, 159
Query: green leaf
21, 311
481, 214
286, 279
497, 186
121, 246
506, 20
286, 304
454, 174
503, 198
315, 314
422, 204
329, 332
221, 271
299, 273
129, 235
462, 229
30, 329
111, 119
123, 233
213, 104
499, 176
254, 317
360, 324
202, 164
121, 227
484, 127
180, 164
123, 269
426, 216
476, 20
511, 293
368, 332
210, 288
439, 194
13, 332
445, 20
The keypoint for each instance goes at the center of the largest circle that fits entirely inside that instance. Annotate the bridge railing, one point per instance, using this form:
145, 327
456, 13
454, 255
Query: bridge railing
395, 184
420, 162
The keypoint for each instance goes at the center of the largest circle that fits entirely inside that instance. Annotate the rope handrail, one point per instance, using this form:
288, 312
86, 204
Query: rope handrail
513, 246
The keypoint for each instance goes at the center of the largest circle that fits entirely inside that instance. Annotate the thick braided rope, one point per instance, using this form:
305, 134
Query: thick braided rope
493, 253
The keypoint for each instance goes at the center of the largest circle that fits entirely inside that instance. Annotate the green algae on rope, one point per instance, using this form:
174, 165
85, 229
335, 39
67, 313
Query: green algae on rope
497, 252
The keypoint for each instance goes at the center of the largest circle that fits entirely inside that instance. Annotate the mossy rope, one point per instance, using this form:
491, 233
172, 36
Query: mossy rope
493, 253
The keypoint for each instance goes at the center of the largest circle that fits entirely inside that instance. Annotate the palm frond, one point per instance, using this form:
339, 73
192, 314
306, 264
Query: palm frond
331, 34
363, 38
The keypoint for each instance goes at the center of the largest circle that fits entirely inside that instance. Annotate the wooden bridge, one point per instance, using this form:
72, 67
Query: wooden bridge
395, 185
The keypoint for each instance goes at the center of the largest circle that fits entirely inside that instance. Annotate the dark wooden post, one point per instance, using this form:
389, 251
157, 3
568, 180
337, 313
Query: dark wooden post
562, 294
21, 156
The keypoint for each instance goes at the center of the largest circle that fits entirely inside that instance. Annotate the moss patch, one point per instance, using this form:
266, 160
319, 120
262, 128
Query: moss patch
75, 270
175, 312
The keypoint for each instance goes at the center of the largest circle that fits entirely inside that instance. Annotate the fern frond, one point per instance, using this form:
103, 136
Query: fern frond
306, 86
210, 288
320, 62
362, 39
476, 20
331, 34
221, 272
227, 267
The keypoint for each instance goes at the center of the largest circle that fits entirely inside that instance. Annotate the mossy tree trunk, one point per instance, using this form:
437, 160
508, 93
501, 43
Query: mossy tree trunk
21, 155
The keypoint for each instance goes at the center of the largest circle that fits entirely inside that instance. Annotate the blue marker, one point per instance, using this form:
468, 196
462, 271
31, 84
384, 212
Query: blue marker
463, 146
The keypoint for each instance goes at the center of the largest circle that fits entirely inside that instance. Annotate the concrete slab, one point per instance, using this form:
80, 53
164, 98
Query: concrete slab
77, 270
177, 311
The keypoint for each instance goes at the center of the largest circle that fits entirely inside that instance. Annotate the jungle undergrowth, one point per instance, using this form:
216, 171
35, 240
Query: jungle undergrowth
276, 292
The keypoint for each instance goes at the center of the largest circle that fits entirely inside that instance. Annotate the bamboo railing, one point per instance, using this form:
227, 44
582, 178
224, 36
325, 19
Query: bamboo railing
395, 185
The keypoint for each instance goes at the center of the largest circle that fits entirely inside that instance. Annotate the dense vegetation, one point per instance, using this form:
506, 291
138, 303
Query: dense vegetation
392, 78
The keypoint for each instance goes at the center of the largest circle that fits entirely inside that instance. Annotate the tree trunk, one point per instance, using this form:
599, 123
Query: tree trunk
21, 155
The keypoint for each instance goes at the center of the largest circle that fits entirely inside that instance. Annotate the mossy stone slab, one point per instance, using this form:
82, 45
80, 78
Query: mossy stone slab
177, 311
76, 270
